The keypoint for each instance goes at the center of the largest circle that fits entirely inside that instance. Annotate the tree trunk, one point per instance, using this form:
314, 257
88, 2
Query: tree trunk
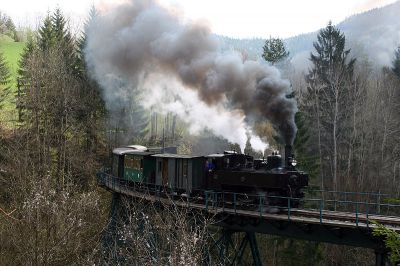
319, 139
335, 137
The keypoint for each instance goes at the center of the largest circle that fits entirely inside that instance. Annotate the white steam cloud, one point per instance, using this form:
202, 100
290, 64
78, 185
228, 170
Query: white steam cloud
174, 98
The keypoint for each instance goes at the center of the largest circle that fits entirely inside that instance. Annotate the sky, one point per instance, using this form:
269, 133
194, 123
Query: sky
234, 18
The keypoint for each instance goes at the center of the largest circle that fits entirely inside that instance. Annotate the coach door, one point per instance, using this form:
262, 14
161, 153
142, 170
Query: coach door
186, 183
165, 172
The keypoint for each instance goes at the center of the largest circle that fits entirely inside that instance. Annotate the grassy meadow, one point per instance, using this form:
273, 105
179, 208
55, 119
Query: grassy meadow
12, 53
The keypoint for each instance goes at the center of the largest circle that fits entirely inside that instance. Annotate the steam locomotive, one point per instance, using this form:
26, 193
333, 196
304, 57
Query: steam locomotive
229, 171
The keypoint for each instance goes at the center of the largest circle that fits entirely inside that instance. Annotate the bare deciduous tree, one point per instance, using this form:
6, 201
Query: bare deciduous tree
157, 234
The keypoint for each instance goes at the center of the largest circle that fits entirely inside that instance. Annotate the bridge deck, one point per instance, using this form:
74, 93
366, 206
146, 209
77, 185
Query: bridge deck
338, 227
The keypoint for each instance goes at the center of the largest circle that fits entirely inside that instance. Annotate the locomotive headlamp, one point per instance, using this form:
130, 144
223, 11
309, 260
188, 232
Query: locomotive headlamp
294, 162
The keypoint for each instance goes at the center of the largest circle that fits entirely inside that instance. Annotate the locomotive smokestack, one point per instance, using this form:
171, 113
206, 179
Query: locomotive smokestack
288, 155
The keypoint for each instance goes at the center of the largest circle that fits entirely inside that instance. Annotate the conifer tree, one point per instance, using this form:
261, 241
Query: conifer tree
46, 35
304, 154
248, 149
329, 83
4, 79
4, 70
63, 39
396, 62
93, 108
274, 50
24, 78
22, 63
61, 34
128, 115
138, 119
55, 34
81, 67
7, 26
331, 58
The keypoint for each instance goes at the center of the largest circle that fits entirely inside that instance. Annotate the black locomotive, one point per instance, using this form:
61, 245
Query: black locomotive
232, 172
273, 177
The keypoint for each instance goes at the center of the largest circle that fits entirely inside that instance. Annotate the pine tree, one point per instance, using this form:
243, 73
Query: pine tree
4, 71
63, 40
304, 154
396, 62
81, 67
55, 34
130, 115
93, 107
139, 120
7, 26
24, 78
331, 58
274, 50
46, 35
23, 62
248, 149
4, 80
11, 27
61, 34
329, 83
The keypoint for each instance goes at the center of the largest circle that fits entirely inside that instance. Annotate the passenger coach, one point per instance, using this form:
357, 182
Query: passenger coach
176, 173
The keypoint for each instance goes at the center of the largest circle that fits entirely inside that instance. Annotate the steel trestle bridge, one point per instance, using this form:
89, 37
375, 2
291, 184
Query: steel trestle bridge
343, 218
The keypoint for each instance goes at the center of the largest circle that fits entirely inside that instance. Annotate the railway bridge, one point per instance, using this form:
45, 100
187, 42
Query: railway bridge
343, 218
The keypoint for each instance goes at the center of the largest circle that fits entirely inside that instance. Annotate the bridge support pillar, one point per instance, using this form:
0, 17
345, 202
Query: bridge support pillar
231, 254
112, 219
109, 239
380, 258
251, 236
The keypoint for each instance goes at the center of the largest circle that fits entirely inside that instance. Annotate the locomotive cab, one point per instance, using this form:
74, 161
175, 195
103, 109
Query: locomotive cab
259, 164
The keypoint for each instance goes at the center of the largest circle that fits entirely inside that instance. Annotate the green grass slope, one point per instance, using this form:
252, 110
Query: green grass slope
12, 53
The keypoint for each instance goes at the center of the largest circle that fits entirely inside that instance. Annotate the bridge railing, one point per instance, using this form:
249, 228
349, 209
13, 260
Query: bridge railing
321, 209
119, 185
342, 200
359, 212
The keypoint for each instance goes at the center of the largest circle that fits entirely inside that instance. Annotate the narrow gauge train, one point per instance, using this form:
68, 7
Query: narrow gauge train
229, 172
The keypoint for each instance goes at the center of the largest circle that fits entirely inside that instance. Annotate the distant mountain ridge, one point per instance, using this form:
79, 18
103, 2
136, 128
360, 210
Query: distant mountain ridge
374, 34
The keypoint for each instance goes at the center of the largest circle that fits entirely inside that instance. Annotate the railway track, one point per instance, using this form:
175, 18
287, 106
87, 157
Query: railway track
392, 221
330, 218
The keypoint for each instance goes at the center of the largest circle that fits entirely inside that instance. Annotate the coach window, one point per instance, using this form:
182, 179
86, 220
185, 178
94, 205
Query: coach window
133, 162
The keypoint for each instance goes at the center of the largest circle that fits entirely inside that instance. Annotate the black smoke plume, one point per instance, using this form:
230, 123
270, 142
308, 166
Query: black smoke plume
140, 37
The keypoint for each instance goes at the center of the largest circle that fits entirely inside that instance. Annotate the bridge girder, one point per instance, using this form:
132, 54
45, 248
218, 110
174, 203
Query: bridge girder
358, 237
